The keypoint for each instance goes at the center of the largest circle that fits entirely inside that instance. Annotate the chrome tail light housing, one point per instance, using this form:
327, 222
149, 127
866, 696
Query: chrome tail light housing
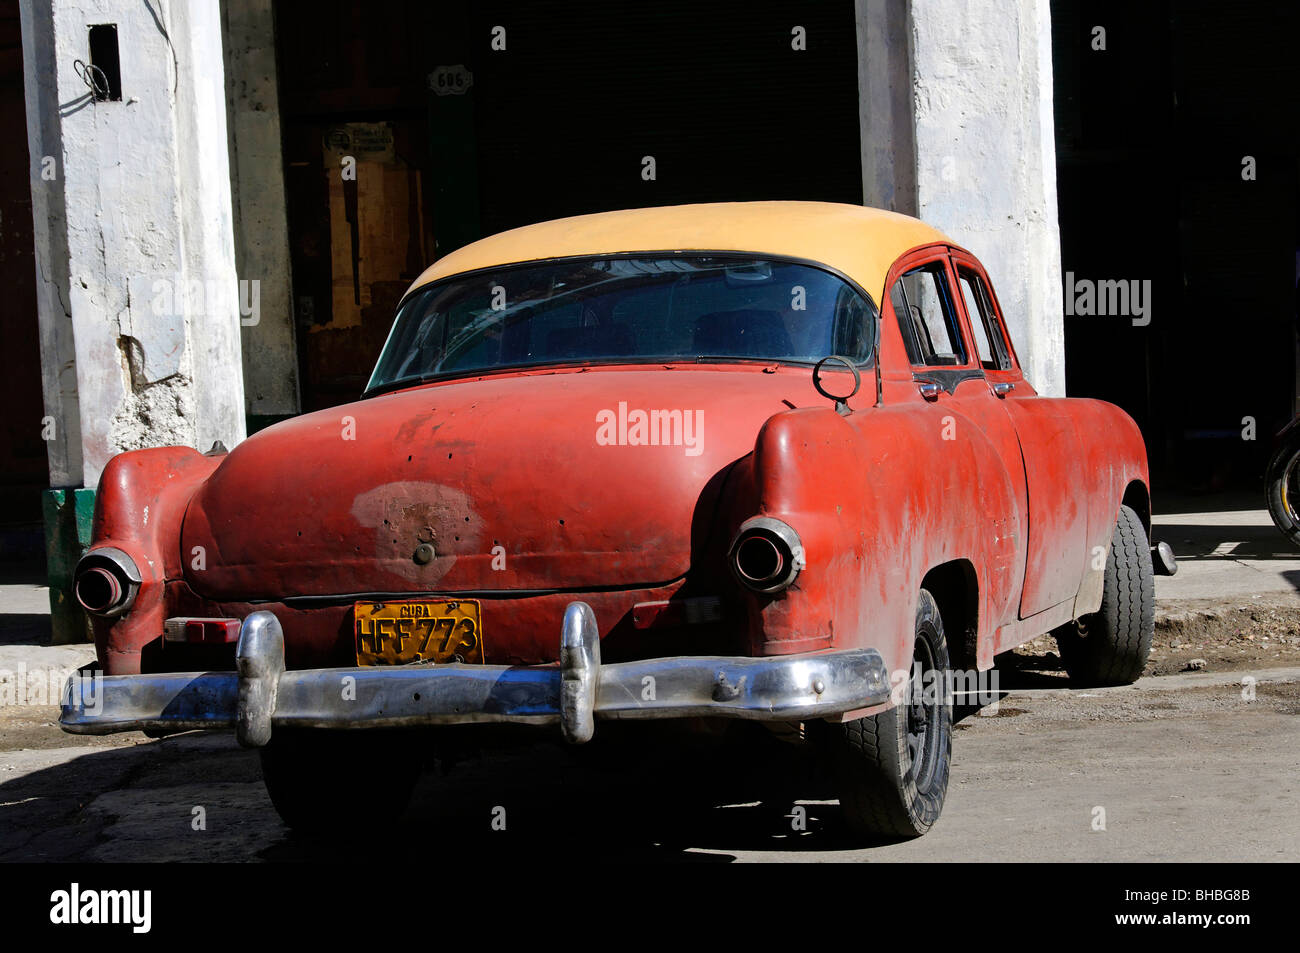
766, 554
106, 582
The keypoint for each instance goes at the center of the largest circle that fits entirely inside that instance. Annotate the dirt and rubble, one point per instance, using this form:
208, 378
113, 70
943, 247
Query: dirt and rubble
1225, 637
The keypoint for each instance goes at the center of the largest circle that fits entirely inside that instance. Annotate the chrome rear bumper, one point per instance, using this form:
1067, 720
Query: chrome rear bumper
262, 695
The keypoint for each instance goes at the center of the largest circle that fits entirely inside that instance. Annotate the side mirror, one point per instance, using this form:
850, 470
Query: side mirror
841, 400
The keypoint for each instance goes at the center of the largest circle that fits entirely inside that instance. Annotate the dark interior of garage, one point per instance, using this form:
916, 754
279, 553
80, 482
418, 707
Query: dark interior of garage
1151, 136
24, 471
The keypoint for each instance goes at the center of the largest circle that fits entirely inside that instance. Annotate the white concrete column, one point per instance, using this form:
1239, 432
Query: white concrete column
986, 158
134, 242
956, 118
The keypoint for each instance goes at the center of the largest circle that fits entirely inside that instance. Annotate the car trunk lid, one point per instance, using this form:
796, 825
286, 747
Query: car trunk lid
530, 481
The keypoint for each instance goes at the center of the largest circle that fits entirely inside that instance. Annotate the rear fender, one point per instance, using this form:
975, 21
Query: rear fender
871, 528
139, 507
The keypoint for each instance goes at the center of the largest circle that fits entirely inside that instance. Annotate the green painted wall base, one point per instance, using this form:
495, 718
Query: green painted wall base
68, 516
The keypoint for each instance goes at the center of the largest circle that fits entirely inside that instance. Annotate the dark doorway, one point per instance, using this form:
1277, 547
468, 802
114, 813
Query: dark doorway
1177, 163
24, 466
456, 138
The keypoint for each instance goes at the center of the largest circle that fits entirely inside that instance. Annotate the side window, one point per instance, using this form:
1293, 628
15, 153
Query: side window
927, 318
988, 335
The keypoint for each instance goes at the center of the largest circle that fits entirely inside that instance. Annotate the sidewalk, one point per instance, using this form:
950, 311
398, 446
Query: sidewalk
25, 627
1228, 550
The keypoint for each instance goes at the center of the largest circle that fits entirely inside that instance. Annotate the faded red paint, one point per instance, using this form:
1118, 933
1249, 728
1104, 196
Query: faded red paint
138, 509
300, 520
509, 460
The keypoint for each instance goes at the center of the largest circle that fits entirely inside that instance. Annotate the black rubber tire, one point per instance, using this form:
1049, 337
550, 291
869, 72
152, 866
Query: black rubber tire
870, 758
328, 781
1111, 646
1276, 479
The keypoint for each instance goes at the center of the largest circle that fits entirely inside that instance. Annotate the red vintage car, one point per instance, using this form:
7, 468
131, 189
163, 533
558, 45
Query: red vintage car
772, 461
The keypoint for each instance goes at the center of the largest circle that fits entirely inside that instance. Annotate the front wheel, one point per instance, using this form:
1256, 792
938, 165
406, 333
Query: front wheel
891, 769
1111, 646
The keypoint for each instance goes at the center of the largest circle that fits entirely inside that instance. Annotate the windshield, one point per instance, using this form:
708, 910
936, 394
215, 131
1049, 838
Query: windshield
647, 308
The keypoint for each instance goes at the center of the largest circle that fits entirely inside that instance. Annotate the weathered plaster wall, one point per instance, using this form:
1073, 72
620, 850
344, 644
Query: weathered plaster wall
261, 216
986, 158
134, 238
956, 120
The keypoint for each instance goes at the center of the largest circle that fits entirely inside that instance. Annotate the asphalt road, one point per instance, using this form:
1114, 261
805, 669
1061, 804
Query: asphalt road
1175, 768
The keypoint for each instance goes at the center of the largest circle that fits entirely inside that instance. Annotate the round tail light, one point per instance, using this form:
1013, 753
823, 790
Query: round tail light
106, 582
98, 590
766, 555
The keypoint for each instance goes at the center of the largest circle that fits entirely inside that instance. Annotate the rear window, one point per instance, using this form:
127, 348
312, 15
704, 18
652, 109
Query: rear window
646, 308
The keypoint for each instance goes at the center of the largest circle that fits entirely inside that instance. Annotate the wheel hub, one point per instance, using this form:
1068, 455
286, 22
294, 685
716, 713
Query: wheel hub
923, 713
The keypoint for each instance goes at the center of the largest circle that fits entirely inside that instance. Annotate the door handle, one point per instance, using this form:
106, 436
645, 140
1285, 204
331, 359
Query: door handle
929, 390
1002, 388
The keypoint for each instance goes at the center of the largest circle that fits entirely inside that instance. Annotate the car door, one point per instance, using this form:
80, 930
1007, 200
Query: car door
950, 379
1056, 550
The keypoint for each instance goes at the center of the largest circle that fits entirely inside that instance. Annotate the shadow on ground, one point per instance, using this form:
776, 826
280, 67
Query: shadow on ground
1221, 501
1195, 542
25, 628
638, 793
631, 796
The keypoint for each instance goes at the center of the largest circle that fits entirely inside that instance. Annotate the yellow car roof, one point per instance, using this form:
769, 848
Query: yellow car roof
860, 242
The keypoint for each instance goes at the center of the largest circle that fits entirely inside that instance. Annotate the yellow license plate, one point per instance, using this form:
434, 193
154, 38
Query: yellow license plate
399, 633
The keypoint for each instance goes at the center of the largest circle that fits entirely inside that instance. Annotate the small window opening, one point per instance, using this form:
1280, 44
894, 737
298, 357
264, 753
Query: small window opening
107, 63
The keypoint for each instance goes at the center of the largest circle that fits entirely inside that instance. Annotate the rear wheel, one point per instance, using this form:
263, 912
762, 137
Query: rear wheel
1111, 646
321, 781
891, 769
